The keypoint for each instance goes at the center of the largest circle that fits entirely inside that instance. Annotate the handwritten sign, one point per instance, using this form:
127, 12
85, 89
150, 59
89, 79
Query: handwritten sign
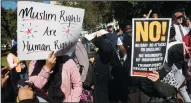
42, 28
150, 39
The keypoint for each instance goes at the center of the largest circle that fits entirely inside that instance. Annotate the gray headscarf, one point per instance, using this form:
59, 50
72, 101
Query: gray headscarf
82, 58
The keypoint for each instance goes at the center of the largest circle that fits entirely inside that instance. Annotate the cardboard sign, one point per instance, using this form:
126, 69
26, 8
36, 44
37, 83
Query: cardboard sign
149, 44
42, 28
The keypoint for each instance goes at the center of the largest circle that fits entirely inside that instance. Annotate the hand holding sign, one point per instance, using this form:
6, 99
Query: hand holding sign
153, 76
51, 61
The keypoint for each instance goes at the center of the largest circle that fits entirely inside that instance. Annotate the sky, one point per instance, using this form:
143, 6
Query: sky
12, 4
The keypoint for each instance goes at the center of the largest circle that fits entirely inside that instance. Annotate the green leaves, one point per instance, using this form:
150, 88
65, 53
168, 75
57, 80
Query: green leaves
96, 12
9, 24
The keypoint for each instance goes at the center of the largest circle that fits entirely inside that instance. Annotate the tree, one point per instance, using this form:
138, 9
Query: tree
126, 10
9, 24
96, 12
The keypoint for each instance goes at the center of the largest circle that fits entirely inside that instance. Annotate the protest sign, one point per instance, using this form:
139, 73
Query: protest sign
42, 28
94, 34
149, 44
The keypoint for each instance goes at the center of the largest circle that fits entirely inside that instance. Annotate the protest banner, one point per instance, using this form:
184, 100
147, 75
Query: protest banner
42, 28
149, 44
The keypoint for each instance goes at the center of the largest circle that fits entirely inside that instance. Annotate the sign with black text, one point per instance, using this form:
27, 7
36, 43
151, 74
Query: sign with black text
149, 44
42, 28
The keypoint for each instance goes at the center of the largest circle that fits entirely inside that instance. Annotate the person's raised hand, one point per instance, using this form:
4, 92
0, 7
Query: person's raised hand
92, 60
153, 76
25, 93
4, 78
50, 61
150, 11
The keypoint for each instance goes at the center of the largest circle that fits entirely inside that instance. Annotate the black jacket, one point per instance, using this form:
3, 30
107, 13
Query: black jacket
176, 54
27, 101
106, 70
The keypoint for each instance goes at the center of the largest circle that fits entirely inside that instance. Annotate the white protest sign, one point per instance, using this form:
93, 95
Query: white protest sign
93, 35
42, 28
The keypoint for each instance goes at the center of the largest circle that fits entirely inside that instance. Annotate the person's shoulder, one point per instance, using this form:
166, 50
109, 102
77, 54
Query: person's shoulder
70, 63
174, 45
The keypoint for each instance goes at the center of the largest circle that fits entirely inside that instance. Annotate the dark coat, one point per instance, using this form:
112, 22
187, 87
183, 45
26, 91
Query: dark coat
151, 89
106, 71
10, 90
7, 93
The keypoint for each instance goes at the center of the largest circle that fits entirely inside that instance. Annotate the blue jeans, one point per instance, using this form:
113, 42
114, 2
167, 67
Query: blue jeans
184, 93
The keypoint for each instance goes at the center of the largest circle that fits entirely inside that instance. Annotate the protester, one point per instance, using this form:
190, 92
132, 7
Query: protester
154, 89
176, 57
94, 72
18, 66
110, 28
127, 42
187, 41
4, 77
80, 56
177, 23
25, 95
111, 36
147, 87
125, 30
101, 73
120, 45
155, 15
7, 92
106, 71
59, 76
187, 24
164, 92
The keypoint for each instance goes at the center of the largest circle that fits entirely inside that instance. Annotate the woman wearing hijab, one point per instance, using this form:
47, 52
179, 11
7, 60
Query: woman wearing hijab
58, 77
106, 70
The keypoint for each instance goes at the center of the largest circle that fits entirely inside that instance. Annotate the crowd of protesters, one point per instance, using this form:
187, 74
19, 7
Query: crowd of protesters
99, 71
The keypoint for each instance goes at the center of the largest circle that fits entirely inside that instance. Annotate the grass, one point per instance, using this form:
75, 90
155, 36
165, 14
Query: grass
4, 61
